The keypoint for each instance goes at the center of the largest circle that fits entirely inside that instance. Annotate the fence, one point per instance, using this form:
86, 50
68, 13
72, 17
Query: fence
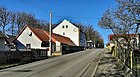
22, 56
70, 49
130, 57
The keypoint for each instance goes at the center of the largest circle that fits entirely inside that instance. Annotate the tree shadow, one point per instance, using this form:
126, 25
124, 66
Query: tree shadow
112, 68
105, 60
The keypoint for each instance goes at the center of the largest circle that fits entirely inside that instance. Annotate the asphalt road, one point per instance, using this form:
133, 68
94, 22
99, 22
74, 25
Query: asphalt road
69, 65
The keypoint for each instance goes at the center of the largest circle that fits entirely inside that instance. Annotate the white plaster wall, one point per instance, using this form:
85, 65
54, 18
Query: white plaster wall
58, 46
72, 31
24, 38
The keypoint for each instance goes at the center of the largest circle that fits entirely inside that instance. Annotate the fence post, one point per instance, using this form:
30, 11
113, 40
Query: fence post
115, 50
131, 60
124, 50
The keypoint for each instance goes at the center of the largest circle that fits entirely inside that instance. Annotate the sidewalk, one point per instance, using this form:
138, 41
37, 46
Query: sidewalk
108, 67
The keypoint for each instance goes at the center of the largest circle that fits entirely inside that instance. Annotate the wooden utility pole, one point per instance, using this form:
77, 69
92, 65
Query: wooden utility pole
50, 37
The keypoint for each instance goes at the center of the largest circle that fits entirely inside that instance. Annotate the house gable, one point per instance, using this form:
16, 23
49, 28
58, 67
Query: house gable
69, 30
27, 37
65, 24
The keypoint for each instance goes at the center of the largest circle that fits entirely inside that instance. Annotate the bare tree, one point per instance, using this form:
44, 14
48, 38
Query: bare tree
42, 24
30, 20
91, 34
122, 20
4, 18
13, 18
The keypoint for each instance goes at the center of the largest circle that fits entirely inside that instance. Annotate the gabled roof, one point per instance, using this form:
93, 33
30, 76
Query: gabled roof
39, 33
44, 36
61, 39
70, 24
10, 39
65, 21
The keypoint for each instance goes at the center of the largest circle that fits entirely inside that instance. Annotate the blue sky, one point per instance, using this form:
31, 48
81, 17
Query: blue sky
83, 11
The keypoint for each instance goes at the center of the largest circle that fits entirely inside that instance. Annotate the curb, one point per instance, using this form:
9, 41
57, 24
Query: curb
95, 69
101, 55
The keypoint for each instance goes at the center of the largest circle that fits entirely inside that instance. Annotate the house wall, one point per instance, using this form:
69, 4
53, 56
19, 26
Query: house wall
58, 46
68, 30
2, 44
24, 39
83, 41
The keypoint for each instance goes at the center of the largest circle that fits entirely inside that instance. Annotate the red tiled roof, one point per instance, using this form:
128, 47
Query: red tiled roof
62, 39
10, 39
111, 36
44, 36
39, 33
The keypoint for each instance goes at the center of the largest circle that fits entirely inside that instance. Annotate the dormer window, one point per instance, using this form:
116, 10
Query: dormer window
66, 26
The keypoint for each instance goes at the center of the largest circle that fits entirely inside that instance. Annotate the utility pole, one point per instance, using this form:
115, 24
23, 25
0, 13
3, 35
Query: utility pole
50, 35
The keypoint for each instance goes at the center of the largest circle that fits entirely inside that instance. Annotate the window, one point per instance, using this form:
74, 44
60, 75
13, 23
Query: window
30, 34
63, 33
63, 26
28, 46
66, 26
45, 44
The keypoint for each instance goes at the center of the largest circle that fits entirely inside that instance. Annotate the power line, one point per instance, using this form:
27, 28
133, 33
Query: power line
78, 17
31, 4
57, 16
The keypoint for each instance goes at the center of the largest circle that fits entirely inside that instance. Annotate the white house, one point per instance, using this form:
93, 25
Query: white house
71, 31
39, 39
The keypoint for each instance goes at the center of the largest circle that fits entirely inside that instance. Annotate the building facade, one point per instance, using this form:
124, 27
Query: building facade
71, 31
36, 38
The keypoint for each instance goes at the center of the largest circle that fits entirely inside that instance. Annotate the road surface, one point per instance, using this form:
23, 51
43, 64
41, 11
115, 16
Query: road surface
69, 65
